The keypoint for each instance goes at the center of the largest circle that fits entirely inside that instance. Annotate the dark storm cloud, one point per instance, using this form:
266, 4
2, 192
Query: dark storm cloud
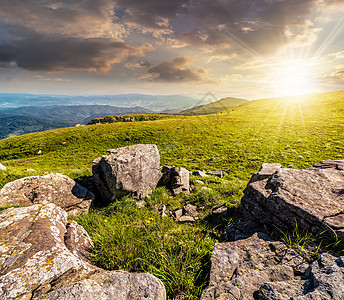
176, 71
41, 53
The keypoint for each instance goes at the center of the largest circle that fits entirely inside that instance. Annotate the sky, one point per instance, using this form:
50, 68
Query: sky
241, 48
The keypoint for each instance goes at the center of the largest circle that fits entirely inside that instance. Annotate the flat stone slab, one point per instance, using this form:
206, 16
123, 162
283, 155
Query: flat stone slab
52, 188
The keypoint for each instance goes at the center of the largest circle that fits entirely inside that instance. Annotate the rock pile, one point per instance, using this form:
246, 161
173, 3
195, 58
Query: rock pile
52, 188
312, 199
131, 170
43, 256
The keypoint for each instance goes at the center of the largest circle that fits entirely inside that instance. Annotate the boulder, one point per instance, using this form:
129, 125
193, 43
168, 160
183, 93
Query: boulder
52, 188
2, 167
312, 199
239, 268
131, 170
43, 256
175, 179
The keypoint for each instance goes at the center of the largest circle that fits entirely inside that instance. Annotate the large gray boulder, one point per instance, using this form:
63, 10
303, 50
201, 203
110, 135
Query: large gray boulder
131, 170
52, 188
312, 199
43, 256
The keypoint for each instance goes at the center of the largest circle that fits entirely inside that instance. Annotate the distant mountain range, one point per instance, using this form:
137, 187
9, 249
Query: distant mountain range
213, 107
21, 120
156, 103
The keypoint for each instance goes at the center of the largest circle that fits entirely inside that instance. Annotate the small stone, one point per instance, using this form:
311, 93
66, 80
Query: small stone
178, 213
205, 188
221, 210
199, 181
2, 167
39, 152
140, 204
218, 173
186, 219
190, 210
199, 173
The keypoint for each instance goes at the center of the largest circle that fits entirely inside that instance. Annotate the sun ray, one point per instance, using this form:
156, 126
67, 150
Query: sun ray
283, 116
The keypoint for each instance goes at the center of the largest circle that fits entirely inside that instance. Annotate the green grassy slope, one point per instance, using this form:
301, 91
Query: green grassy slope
295, 132
214, 107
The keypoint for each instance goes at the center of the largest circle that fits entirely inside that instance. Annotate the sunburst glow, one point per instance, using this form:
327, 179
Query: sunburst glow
293, 79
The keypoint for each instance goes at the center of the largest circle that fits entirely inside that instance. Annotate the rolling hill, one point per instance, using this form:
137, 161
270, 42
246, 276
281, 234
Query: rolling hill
214, 107
18, 125
295, 132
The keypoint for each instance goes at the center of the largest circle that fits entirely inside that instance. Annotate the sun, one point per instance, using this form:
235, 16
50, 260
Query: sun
293, 79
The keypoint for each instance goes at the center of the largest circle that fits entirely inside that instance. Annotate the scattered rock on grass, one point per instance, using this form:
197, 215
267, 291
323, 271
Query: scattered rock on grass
52, 188
2, 167
131, 170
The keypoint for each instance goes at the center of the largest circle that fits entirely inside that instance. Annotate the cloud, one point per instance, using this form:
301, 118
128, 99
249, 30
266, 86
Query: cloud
176, 71
249, 27
81, 18
152, 15
41, 53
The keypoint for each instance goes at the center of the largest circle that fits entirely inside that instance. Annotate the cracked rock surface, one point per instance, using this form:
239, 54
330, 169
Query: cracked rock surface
312, 199
128, 170
262, 269
43, 256
52, 188
239, 268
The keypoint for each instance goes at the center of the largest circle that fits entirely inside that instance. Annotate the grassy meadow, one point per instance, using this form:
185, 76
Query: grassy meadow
295, 132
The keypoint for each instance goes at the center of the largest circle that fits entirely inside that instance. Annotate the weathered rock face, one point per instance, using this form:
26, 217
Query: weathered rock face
239, 268
176, 179
128, 170
323, 280
43, 256
52, 188
2, 167
312, 198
